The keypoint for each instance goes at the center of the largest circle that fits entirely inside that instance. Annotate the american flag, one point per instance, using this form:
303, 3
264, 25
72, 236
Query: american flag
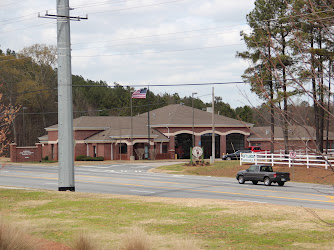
140, 94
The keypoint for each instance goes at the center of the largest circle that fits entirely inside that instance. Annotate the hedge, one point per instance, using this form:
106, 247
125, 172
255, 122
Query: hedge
89, 158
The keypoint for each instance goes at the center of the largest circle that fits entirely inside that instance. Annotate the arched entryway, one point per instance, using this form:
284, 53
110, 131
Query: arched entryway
183, 143
206, 143
234, 142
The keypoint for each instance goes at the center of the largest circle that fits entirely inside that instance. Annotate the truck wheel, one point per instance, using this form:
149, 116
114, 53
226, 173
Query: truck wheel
281, 183
267, 181
255, 182
241, 179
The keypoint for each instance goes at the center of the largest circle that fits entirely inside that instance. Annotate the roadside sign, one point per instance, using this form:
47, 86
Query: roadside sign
197, 152
293, 154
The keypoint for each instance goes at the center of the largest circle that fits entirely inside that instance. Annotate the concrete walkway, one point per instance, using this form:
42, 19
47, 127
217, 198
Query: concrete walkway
152, 163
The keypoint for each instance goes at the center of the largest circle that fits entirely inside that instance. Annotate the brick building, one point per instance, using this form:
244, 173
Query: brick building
170, 136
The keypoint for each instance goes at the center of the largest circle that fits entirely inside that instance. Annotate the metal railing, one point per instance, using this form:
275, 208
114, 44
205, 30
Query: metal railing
288, 159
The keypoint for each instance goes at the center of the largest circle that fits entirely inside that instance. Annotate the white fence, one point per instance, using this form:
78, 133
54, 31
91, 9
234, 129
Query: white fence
290, 159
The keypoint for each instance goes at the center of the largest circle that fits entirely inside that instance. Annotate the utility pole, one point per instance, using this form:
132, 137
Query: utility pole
131, 123
65, 106
213, 128
148, 124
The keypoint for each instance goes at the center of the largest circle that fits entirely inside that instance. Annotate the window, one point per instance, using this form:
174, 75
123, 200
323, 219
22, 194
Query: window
94, 151
164, 148
266, 169
252, 168
123, 148
52, 151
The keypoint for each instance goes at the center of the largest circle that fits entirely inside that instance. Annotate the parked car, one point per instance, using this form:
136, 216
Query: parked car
262, 173
235, 155
255, 149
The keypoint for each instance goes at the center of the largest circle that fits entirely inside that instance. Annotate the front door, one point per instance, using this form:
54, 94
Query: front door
146, 152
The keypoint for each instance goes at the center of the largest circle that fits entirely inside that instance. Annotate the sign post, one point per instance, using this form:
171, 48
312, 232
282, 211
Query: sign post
293, 155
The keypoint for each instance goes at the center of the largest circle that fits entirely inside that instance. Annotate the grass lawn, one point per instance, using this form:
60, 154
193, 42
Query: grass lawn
168, 223
230, 168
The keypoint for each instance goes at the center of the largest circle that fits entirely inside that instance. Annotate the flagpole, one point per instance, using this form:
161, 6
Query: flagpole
131, 156
148, 122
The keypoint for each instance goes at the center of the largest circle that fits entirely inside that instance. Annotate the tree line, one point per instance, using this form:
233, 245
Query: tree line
290, 49
29, 85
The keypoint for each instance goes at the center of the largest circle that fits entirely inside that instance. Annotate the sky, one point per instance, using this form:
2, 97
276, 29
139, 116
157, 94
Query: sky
145, 42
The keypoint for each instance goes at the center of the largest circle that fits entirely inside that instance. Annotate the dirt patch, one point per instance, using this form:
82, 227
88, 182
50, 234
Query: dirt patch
312, 246
280, 226
165, 222
50, 245
33, 203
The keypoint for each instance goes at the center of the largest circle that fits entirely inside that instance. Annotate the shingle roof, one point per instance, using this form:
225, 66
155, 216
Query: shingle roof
121, 128
177, 115
173, 115
90, 122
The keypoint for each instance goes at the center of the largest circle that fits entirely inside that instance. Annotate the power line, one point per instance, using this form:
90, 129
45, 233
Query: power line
136, 7
100, 3
157, 35
188, 31
28, 27
11, 3
11, 19
160, 52
98, 110
151, 43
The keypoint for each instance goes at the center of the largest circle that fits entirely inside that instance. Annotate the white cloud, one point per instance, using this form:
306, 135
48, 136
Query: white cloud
159, 44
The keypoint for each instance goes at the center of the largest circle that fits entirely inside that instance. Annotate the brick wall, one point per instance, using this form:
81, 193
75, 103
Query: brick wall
25, 154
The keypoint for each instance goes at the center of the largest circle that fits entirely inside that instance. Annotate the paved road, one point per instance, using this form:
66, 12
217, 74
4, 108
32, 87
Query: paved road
136, 180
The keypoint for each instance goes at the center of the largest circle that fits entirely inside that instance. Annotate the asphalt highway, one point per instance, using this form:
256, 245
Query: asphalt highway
134, 179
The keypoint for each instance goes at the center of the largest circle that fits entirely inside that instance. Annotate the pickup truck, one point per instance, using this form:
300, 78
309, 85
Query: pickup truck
262, 173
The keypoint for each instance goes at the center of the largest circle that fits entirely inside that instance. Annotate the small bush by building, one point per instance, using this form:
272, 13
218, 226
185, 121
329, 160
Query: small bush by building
88, 158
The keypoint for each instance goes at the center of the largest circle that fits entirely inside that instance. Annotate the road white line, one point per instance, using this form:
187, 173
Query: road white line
139, 191
254, 201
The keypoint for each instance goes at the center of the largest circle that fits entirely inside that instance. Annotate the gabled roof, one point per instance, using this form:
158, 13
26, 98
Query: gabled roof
177, 115
90, 123
121, 129
294, 132
118, 127
174, 115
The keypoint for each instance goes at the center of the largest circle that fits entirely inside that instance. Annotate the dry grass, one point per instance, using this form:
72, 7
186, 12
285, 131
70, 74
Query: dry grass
12, 238
136, 239
185, 244
184, 224
84, 242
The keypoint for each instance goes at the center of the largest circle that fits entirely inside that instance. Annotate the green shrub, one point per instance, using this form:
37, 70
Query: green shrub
88, 158
46, 158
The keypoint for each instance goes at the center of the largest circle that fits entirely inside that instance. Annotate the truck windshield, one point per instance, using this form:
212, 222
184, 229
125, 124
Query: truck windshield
266, 169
